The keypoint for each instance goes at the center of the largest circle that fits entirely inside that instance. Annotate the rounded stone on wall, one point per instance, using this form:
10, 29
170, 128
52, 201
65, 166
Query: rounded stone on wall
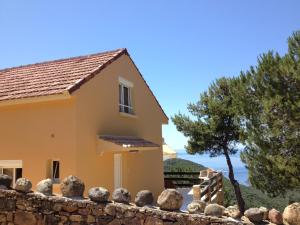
170, 199
5, 180
23, 185
265, 211
143, 198
45, 187
214, 210
254, 214
121, 195
196, 207
233, 212
275, 216
98, 194
72, 186
291, 214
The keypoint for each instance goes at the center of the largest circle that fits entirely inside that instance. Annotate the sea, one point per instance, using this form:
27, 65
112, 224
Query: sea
219, 163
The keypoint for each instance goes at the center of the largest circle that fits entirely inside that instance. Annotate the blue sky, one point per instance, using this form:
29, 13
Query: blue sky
179, 46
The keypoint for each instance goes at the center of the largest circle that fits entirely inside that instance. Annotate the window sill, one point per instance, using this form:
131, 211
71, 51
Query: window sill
128, 115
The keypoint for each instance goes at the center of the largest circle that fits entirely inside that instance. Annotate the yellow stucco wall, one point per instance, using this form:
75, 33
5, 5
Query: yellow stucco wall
97, 112
67, 130
35, 133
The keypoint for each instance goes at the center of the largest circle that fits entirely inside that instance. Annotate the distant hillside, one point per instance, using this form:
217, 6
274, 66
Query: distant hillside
252, 196
178, 164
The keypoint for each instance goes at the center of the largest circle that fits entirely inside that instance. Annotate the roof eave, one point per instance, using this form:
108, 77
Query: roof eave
71, 89
79, 83
46, 98
166, 118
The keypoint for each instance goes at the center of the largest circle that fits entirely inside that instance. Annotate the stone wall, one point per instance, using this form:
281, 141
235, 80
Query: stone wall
36, 209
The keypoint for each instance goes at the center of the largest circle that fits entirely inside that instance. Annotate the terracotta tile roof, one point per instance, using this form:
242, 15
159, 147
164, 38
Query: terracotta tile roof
127, 141
56, 77
52, 77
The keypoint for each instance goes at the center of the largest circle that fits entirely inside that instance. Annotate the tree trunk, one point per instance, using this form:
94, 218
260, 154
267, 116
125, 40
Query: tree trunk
235, 184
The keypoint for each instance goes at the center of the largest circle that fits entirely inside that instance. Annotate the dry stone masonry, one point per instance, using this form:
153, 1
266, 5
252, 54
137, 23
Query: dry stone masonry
196, 207
121, 195
98, 194
170, 199
144, 198
45, 187
24, 207
23, 185
72, 186
35, 209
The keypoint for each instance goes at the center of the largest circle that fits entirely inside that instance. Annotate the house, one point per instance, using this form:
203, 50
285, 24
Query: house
91, 116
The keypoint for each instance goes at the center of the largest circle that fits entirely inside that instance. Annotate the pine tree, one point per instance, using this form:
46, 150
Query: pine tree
214, 127
268, 99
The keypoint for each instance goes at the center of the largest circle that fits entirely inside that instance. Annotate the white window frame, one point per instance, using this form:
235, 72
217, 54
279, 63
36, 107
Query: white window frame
129, 85
11, 164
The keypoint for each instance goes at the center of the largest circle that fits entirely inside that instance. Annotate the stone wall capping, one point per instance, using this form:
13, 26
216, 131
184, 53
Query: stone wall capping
72, 187
98, 194
5, 180
23, 185
45, 187
170, 199
144, 198
121, 195
23, 206
37, 209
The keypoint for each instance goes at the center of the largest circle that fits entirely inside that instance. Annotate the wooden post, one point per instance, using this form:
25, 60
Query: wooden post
209, 191
220, 197
220, 181
220, 193
196, 192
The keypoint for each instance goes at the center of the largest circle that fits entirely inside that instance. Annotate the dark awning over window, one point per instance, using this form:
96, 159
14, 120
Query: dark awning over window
128, 141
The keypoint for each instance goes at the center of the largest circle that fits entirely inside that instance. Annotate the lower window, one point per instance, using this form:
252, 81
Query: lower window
12, 168
55, 171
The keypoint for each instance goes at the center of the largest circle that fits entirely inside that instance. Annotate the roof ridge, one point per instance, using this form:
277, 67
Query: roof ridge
119, 50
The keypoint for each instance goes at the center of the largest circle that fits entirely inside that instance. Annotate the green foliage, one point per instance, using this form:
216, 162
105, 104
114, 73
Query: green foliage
267, 98
213, 126
261, 109
252, 196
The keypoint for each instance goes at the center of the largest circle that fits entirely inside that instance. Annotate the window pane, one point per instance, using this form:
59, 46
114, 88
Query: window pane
120, 94
129, 97
18, 173
126, 109
124, 99
55, 170
126, 96
8, 171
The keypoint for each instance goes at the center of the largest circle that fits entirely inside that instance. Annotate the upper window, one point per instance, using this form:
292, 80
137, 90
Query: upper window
125, 96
